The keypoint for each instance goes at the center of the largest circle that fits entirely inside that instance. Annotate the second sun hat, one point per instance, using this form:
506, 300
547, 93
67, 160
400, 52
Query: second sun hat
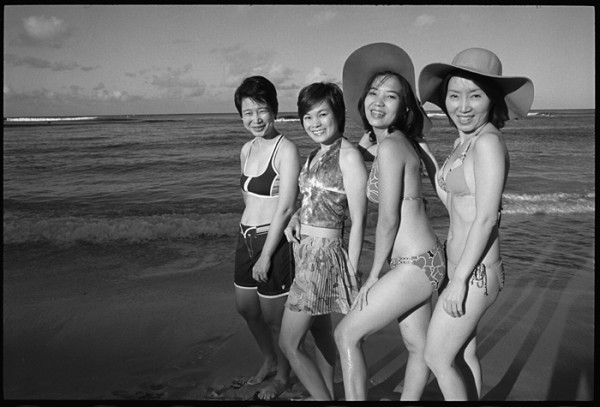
517, 90
363, 63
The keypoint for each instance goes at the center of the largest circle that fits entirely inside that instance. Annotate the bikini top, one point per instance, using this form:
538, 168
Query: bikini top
373, 185
324, 201
454, 181
265, 184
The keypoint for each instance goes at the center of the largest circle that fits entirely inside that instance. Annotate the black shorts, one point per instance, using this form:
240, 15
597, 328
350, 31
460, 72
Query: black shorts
250, 242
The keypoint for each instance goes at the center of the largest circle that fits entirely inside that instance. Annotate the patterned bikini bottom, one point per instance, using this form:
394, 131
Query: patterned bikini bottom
432, 262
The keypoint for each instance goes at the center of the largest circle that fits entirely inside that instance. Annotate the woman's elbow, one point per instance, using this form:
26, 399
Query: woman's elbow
487, 222
388, 223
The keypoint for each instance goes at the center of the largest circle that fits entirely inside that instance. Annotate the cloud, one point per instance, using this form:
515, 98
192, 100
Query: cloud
239, 63
317, 75
39, 63
44, 31
424, 20
174, 83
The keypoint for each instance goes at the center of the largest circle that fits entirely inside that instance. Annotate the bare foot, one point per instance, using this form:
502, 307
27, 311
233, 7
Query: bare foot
272, 390
266, 370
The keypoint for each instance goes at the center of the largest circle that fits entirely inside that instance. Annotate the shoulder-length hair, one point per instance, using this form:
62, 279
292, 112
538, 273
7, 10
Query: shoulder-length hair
319, 92
409, 119
259, 89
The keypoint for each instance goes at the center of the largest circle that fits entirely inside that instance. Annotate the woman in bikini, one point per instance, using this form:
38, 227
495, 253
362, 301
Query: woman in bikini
478, 101
264, 267
379, 90
332, 183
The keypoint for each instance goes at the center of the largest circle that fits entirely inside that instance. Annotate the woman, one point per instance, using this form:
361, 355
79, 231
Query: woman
378, 81
264, 267
332, 182
477, 100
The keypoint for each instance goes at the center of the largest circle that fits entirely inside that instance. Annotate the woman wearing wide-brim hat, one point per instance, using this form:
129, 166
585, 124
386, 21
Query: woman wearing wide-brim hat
478, 100
380, 96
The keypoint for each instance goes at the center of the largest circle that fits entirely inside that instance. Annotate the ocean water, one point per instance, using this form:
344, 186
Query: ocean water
109, 180
93, 206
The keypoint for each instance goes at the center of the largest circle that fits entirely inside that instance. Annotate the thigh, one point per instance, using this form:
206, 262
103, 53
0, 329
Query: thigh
272, 308
415, 323
447, 335
243, 262
281, 272
294, 326
393, 295
247, 301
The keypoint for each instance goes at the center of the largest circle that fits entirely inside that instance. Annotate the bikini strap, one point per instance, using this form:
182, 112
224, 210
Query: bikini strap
248, 155
275, 150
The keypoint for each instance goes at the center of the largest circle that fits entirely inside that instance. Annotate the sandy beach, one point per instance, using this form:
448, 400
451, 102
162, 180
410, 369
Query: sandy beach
157, 321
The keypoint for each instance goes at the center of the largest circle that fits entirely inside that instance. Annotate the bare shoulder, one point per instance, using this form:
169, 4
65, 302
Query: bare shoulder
395, 148
350, 157
246, 147
489, 140
288, 147
349, 150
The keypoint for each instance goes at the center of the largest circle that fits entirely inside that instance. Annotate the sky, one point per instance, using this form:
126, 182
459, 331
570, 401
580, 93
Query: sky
77, 60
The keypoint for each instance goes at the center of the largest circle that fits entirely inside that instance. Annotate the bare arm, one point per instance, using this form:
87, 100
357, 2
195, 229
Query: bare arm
354, 175
489, 165
391, 170
431, 165
391, 174
288, 163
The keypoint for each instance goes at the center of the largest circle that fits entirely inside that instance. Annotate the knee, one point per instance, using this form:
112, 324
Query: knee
429, 357
414, 347
272, 321
434, 360
287, 346
344, 337
248, 314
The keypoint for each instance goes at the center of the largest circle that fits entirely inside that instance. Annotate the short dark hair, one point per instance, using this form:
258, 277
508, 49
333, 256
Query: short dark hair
319, 92
409, 119
498, 113
257, 88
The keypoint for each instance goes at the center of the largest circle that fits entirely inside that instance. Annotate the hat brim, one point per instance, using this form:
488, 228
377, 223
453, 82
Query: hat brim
363, 63
517, 90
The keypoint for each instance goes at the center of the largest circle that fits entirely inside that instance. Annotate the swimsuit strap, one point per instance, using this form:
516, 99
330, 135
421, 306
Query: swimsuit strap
457, 163
275, 149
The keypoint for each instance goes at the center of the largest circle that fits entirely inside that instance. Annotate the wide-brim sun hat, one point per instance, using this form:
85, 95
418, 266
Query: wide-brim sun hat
363, 63
517, 90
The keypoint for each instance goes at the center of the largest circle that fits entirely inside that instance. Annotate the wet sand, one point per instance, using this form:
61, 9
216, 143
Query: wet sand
158, 322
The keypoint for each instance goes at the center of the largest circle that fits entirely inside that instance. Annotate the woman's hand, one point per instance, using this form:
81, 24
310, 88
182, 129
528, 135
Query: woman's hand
292, 230
260, 271
453, 298
361, 299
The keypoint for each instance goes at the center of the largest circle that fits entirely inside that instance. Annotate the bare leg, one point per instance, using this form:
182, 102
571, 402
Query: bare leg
325, 351
447, 336
294, 327
414, 333
396, 293
248, 306
473, 364
272, 309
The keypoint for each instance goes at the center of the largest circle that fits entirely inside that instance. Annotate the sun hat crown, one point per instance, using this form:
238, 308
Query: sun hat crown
479, 60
